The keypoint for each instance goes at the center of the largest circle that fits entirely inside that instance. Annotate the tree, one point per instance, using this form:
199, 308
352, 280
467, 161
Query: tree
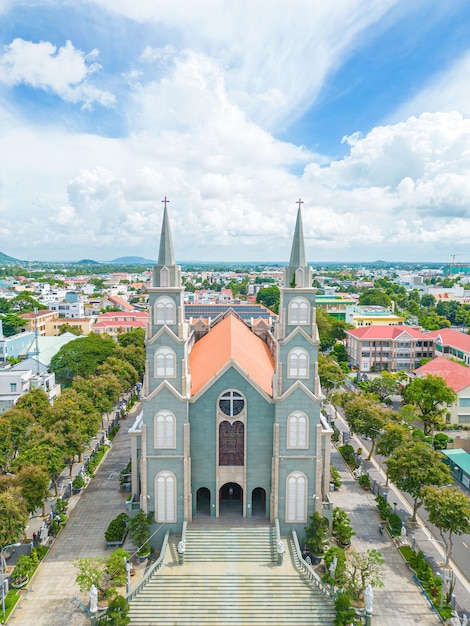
375, 297
330, 329
47, 452
317, 534
13, 515
139, 528
330, 373
429, 396
34, 483
123, 370
68, 328
135, 355
394, 436
415, 466
91, 571
385, 385
11, 323
428, 300
365, 417
362, 569
270, 297
36, 403
449, 511
81, 357
135, 337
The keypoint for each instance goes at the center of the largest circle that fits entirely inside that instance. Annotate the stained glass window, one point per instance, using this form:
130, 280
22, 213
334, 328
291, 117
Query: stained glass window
231, 443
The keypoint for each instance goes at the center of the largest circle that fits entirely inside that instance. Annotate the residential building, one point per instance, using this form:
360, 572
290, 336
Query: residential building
15, 382
335, 305
113, 323
231, 417
15, 345
392, 348
370, 315
457, 377
451, 343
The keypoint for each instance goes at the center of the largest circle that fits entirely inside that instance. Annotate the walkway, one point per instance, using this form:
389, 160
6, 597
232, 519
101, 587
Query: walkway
48, 599
400, 602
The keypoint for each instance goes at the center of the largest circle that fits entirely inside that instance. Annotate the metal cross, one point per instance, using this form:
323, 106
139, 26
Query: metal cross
299, 202
165, 201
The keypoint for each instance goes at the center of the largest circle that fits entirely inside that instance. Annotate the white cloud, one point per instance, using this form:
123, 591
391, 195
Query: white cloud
63, 70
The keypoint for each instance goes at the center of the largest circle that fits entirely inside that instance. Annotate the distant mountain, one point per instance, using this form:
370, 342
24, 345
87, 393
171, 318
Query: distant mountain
133, 260
88, 262
4, 258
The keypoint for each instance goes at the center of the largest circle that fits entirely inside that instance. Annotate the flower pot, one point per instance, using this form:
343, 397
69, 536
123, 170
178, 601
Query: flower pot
19, 584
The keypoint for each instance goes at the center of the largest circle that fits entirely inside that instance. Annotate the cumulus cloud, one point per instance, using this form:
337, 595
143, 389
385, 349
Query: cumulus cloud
64, 70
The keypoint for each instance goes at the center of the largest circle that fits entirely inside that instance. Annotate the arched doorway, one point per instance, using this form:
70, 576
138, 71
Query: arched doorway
230, 500
203, 502
258, 502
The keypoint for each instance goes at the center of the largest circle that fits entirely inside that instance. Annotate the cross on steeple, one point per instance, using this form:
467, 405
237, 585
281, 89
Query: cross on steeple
165, 201
299, 202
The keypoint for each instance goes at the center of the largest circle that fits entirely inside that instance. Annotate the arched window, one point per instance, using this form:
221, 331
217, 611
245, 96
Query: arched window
296, 497
297, 430
231, 443
165, 311
298, 311
164, 430
231, 403
165, 497
299, 277
164, 277
297, 363
165, 363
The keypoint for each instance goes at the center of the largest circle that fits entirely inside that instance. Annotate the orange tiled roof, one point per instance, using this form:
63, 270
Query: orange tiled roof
385, 332
231, 339
455, 375
451, 337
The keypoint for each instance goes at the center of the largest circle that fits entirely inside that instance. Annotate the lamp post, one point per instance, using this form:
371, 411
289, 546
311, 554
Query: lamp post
4, 582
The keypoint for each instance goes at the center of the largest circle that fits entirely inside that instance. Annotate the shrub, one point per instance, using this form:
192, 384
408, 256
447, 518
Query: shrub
317, 534
117, 528
364, 481
395, 524
344, 611
348, 454
61, 505
383, 506
78, 482
330, 554
342, 526
336, 477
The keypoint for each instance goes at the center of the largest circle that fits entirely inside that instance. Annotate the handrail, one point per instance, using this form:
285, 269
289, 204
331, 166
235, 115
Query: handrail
182, 544
155, 566
328, 590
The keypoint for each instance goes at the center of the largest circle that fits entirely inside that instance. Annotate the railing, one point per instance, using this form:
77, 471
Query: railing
325, 588
182, 543
149, 573
431, 604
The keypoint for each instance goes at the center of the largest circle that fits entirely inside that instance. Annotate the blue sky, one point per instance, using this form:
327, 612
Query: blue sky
233, 111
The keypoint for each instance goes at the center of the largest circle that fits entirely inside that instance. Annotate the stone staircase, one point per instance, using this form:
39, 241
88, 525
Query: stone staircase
229, 578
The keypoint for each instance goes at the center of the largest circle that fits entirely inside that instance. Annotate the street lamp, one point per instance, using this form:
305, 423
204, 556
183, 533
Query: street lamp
4, 582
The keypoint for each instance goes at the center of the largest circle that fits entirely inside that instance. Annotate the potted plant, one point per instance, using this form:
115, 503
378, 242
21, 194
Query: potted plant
61, 505
342, 528
117, 530
317, 533
78, 483
344, 611
20, 575
139, 528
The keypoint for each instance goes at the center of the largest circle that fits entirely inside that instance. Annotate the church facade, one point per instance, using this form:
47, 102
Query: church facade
231, 416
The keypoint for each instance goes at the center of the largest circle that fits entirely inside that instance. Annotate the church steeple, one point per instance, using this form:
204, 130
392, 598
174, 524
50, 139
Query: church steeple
297, 255
298, 273
166, 255
166, 273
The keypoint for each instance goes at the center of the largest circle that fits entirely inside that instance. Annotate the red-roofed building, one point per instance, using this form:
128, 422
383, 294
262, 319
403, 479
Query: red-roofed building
113, 323
451, 343
392, 348
457, 377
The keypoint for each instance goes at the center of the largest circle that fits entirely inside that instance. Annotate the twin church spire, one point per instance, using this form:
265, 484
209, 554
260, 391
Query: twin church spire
297, 273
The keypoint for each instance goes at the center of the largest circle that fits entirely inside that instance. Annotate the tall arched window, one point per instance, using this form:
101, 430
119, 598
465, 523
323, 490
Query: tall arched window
164, 277
164, 430
297, 363
165, 311
296, 497
231, 443
165, 363
297, 430
165, 497
298, 311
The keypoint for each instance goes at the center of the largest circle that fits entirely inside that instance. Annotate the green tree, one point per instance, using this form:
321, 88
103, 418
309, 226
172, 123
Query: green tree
91, 570
13, 515
330, 373
81, 357
365, 417
135, 337
270, 297
46, 451
433, 321
330, 329
375, 297
135, 355
449, 511
11, 323
116, 613
428, 300
36, 403
123, 370
415, 466
6, 448
362, 569
429, 397
68, 328
385, 385
34, 483
102, 390
393, 437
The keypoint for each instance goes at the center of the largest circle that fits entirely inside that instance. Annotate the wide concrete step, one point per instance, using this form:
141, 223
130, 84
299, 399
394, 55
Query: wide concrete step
230, 544
232, 600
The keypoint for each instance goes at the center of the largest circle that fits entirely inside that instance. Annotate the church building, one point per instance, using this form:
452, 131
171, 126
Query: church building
231, 417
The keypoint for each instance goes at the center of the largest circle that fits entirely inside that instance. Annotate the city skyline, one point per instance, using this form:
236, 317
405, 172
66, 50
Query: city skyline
234, 111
